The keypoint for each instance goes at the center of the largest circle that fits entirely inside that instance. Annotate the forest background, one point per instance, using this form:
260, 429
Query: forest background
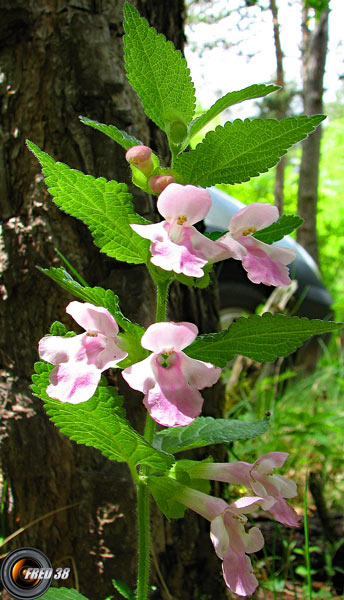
235, 42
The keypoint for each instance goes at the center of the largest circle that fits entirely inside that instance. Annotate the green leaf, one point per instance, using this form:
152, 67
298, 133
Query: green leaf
123, 589
157, 71
99, 423
204, 431
105, 206
253, 91
100, 297
163, 490
242, 149
285, 225
262, 338
121, 137
62, 594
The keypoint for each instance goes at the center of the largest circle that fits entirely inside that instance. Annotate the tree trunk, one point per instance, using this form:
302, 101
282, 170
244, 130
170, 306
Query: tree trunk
60, 60
314, 49
282, 109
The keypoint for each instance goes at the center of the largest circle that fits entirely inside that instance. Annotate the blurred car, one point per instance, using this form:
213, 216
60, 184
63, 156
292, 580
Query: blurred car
239, 295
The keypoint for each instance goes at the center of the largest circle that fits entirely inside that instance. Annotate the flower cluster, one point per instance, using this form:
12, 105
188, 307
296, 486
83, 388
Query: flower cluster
231, 541
168, 378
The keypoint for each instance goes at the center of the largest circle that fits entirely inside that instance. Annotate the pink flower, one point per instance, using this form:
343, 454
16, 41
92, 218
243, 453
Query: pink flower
81, 359
141, 158
227, 533
170, 379
260, 479
177, 245
264, 263
159, 183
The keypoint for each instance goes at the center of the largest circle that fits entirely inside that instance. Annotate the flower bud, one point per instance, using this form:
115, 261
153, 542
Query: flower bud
141, 158
159, 183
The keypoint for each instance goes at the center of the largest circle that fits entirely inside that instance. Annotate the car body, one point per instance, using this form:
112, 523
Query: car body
238, 294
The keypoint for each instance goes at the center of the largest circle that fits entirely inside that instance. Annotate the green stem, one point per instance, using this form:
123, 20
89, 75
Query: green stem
307, 553
144, 541
143, 515
161, 301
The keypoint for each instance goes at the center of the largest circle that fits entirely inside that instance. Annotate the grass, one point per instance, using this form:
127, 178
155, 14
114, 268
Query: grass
307, 420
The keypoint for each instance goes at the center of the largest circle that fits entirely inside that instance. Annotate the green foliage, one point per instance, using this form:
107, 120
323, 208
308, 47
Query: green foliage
262, 338
157, 71
253, 91
205, 431
124, 589
100, 423
62, 594
121, 137
100, 297
242, 149
164, 490
105, 206
285, 225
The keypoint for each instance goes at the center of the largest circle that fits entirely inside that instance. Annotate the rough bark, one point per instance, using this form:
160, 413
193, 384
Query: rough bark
60, 59
314, 49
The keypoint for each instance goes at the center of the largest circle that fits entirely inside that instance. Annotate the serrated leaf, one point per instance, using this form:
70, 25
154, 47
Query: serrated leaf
214, 235
276, 231
253, 91
157, 71
99, 423
104, 206
243, 149
204, 431
262, 338
101, 297
62, 594
118, 135
123, 589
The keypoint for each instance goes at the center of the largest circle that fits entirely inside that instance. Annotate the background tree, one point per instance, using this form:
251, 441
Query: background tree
314, 50
60, 60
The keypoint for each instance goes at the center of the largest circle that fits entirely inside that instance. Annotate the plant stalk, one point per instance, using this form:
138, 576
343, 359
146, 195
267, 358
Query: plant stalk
143, 513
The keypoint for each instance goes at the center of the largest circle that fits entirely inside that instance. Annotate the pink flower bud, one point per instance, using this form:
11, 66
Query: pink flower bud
141, 158
158, 184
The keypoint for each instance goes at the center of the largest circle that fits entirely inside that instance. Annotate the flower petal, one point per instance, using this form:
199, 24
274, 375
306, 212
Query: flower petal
154, 232
93, 318
199, 374
171, 256
219, 536
173, 409
253, 540
56, 349
111, 354
140, 376
246, 504
230, 248
172, 402
260, 266
270, 461
238, 573
73, 382
256, 215
286, 487
170, 335
284, 513
184, 200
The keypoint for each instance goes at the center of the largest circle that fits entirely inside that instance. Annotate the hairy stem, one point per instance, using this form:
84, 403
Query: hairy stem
143, 514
